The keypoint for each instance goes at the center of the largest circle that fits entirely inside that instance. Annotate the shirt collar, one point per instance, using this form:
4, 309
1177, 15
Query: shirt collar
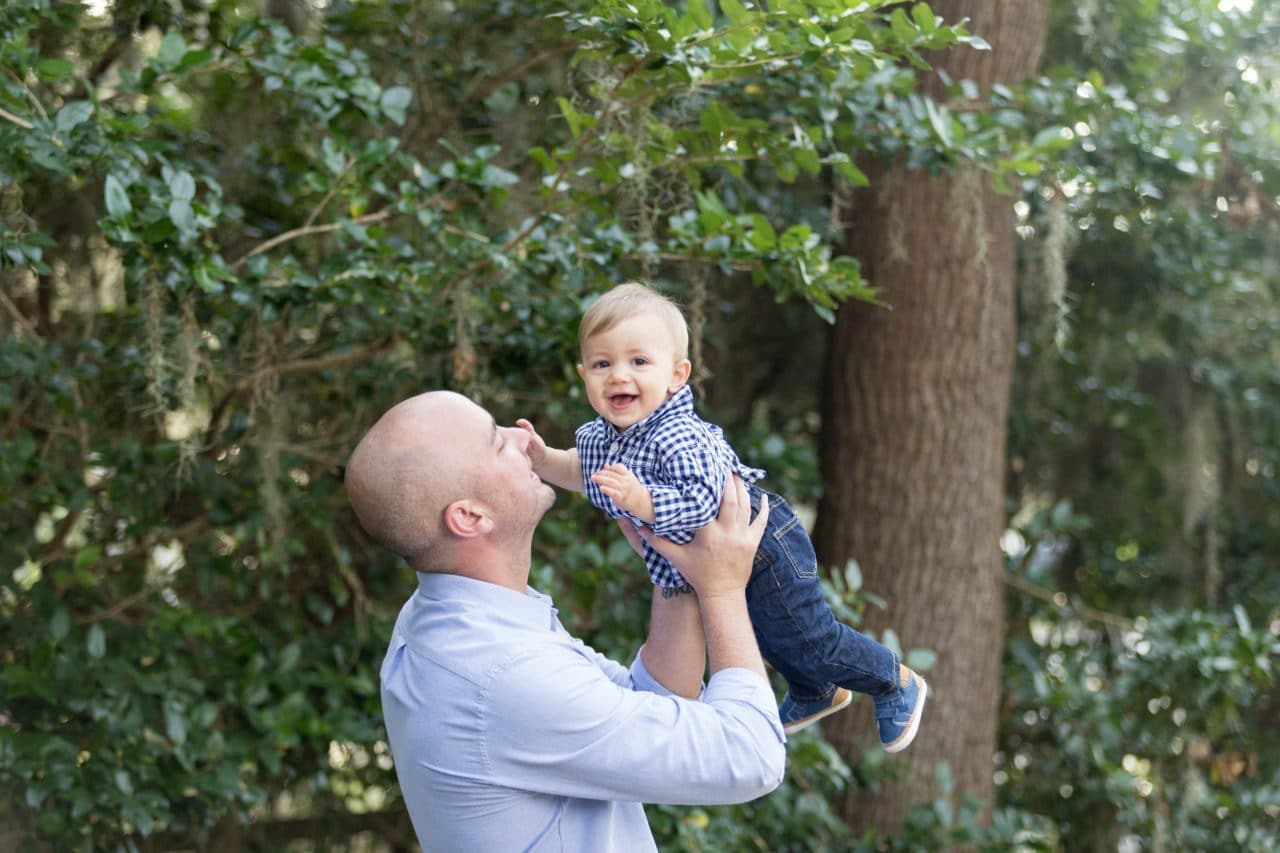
531, 608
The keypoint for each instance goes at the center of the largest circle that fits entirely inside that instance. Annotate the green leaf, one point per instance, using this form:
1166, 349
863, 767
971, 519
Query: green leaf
852, 173
289, 657
571, 115
195, 58
808, 160
96, 642
394, 102
700, 12
183, 216
763, 236
890, 638
175, 724
182, 186
974, 41
1053, 138
921, 660
59, 623
117, 199
72, 114
172, 50
924, 18
54, 69
939, 121
1242, 619
902, 26
734, 11
87, 556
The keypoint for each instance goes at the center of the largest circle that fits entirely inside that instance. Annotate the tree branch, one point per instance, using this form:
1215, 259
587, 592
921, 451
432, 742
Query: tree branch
20, 122
308, 230
534, 221
1060, 599
519, 70
24, 325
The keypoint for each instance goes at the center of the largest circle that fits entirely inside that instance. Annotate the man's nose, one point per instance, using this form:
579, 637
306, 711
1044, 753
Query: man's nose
519, 437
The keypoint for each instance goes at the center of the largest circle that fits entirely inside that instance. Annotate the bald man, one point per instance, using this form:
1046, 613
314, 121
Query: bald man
507, 732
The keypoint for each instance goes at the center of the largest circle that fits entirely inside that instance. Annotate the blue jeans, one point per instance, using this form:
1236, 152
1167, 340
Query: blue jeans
797, 632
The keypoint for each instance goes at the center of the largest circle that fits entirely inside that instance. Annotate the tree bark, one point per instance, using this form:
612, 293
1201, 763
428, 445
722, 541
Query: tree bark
913, 441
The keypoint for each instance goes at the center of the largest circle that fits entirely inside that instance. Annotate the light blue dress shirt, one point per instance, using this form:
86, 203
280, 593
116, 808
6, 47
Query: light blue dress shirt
509, 734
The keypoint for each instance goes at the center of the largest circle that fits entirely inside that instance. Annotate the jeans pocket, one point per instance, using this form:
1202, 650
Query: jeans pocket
787, 548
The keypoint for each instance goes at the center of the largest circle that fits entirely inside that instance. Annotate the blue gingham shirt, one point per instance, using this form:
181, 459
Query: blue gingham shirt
681, 459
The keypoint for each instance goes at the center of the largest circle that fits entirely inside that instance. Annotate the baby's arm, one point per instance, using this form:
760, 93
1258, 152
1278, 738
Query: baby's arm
558, 467
685, 488
624, 489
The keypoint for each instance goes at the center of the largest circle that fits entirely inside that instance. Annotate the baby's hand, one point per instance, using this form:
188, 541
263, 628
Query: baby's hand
537, 447
621, 486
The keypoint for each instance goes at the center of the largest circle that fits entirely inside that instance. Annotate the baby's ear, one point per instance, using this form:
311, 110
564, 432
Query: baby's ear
582, 372
679, 375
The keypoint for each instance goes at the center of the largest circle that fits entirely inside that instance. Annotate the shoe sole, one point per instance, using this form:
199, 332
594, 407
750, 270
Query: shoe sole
904, 739
801, 725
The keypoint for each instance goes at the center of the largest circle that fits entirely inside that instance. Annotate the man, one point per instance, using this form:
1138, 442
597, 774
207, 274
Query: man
507, 733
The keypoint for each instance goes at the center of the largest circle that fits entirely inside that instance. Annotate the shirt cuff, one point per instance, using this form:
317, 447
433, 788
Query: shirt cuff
737, 684
642, 680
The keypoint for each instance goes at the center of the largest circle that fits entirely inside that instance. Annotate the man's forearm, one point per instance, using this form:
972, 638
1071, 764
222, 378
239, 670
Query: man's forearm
675, 654
730, 640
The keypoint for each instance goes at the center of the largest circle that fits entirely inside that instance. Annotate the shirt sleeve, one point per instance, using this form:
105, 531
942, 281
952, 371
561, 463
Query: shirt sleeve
614, 671
560, 726
686, 494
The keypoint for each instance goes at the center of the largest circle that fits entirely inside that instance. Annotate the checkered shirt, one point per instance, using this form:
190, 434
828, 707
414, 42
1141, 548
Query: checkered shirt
680, 458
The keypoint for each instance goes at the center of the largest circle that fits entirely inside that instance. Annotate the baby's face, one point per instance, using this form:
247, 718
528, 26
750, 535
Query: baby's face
631, 369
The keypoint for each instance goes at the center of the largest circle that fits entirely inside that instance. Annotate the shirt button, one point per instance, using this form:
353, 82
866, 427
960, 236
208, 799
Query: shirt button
613, 448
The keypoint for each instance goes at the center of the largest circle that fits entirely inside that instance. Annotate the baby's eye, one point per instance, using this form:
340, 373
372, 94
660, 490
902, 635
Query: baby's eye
639, 361
600, 365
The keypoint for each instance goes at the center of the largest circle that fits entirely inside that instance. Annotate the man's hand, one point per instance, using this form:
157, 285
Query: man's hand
718, 561
624, 489
718, 565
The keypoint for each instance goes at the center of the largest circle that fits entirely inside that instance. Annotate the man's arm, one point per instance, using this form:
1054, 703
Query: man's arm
717, 563
675, 653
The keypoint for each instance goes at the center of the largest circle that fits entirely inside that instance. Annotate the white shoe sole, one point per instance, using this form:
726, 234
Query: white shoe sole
801, 725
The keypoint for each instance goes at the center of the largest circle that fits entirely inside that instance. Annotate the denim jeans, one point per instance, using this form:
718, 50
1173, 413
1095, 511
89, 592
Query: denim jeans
798, 634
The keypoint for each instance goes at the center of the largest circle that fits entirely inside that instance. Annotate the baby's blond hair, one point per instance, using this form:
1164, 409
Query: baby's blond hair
626, 301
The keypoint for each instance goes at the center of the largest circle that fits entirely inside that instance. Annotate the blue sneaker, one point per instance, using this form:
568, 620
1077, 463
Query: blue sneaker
796, 715
898, 713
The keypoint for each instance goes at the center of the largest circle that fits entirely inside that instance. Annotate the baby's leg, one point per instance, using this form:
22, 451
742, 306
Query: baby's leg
798, 634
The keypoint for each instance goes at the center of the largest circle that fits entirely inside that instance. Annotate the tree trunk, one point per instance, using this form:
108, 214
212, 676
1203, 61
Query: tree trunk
913, 442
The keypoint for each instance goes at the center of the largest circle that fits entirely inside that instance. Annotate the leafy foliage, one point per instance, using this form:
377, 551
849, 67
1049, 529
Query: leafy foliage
1141, 670
228, 242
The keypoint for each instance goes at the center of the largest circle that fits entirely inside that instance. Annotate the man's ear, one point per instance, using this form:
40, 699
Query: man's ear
679, 375
468, 518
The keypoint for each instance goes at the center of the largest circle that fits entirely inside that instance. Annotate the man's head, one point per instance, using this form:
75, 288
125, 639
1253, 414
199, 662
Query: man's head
436, 475
634, 344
